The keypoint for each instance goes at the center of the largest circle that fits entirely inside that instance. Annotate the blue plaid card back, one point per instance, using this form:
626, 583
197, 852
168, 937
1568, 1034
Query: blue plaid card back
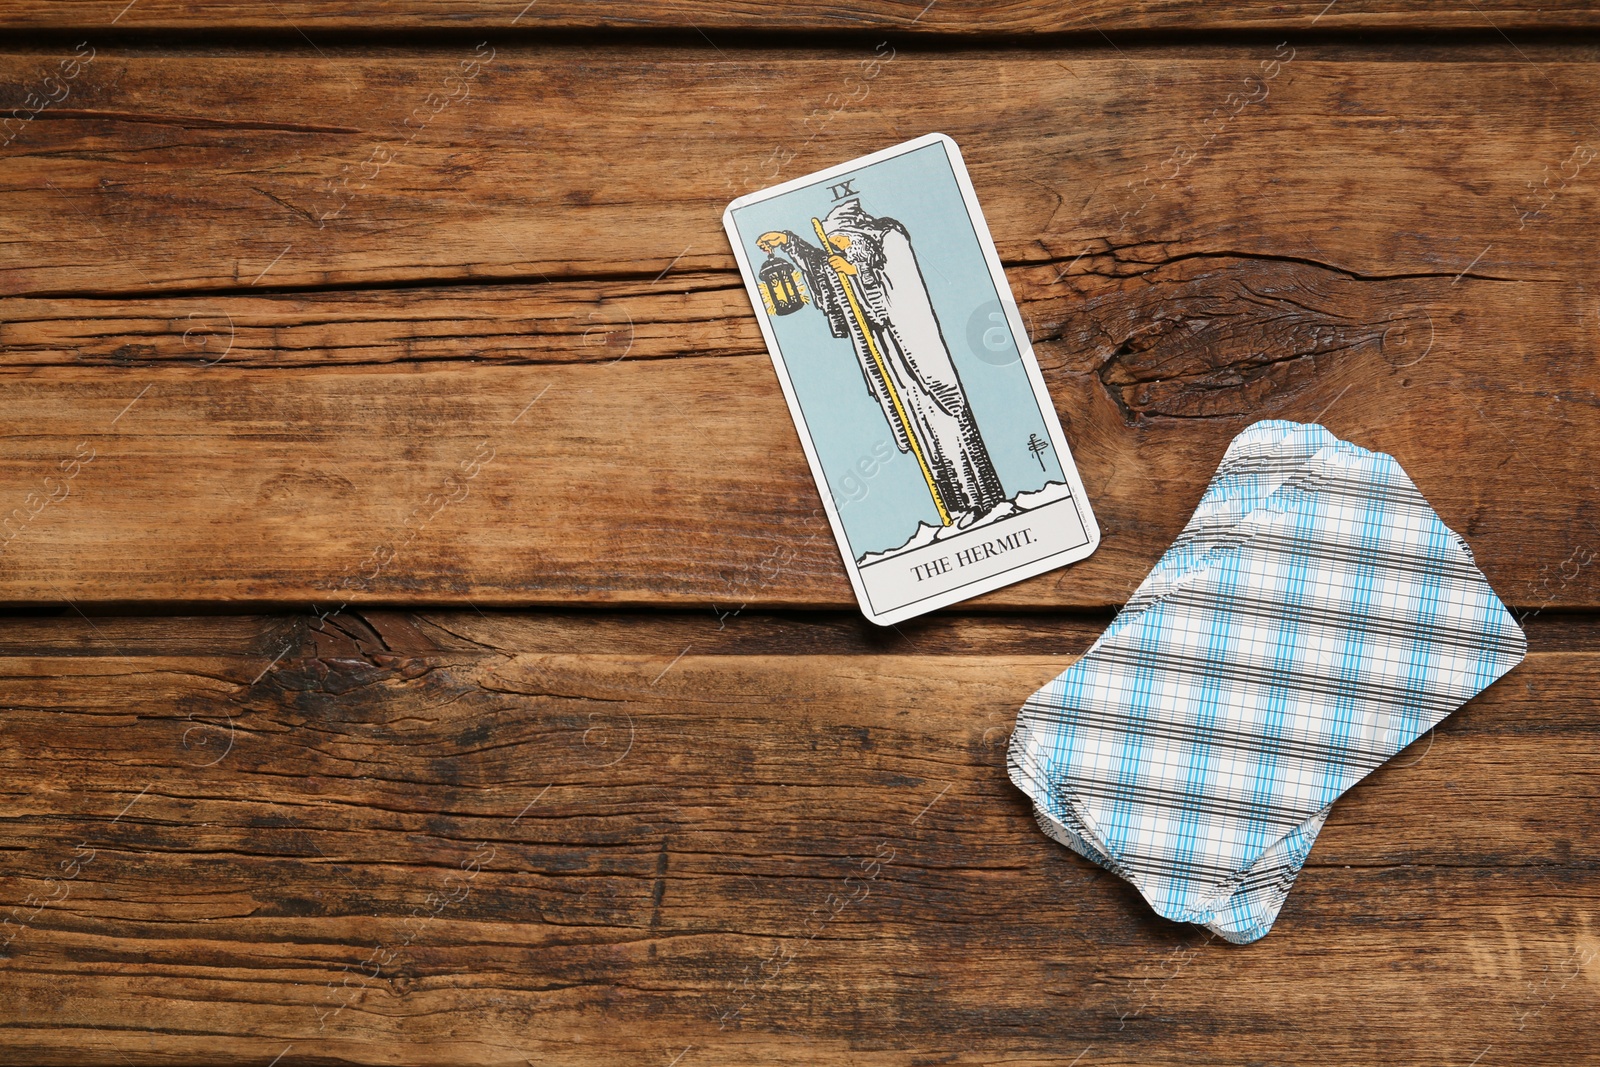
1198, 745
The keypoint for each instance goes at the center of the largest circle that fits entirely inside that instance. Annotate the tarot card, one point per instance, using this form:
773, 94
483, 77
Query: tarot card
940, 459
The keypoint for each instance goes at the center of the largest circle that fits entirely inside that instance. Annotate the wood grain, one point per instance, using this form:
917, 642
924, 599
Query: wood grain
305, 306
308, 401
192, 171
380, 447
941, 18
278, 837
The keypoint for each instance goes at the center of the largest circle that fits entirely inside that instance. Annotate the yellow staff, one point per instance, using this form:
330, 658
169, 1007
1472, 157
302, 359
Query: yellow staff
883, 370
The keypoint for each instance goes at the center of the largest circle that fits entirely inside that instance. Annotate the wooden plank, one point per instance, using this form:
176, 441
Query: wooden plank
381, 447
322, 444
384, 847
188, 170
941, 18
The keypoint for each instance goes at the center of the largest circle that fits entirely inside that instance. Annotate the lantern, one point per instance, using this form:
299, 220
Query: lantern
781, 288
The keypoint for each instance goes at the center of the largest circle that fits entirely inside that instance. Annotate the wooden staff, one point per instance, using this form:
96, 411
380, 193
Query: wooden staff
883, 370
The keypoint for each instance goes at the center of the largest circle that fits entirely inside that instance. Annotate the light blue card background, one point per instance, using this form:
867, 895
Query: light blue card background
880, 502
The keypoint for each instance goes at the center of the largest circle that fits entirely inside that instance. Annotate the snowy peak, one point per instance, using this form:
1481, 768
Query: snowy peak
966, 522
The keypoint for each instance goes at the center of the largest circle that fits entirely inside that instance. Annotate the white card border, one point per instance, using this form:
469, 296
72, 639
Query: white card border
1019, 333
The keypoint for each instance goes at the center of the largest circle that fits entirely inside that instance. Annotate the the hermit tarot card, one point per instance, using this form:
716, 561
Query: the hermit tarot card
937, 451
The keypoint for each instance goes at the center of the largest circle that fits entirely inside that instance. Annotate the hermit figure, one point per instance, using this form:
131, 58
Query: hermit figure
864, 276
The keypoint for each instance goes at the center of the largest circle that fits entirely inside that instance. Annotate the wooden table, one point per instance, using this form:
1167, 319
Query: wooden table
421, 643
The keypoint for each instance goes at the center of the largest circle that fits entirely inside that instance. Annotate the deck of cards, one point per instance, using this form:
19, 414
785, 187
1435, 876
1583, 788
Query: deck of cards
938, 454
1313, 618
